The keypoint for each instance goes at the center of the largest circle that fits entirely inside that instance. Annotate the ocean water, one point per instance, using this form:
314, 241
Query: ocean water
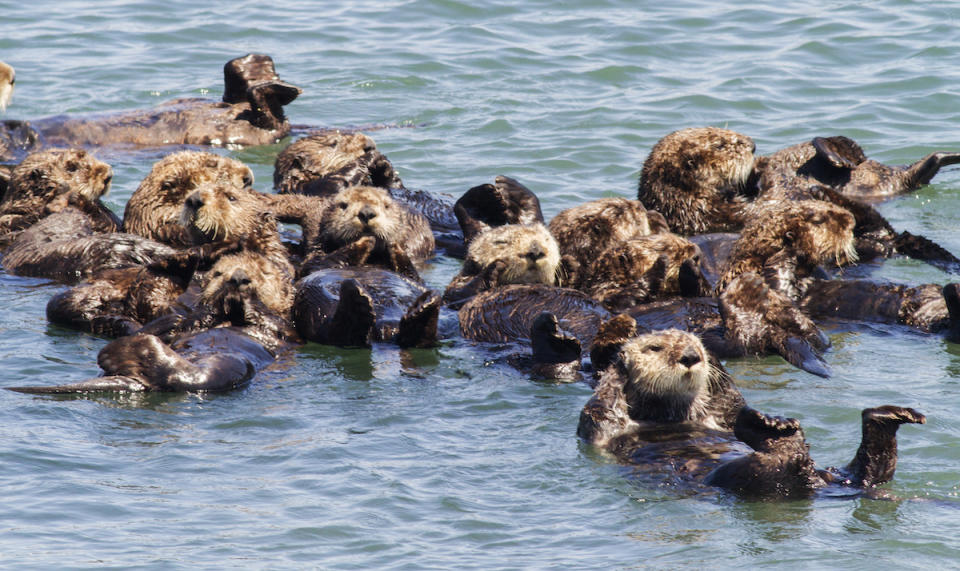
447, 458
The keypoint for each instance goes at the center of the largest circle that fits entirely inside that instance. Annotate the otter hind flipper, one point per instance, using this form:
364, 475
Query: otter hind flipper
610, 338
353, 321
550, 343
841, 152
418, 326
800, 354
921, 248
876, 458
113, 383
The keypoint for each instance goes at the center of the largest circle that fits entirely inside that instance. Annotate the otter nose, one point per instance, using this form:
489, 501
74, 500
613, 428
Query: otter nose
239, 277
535, 254
690, 357
194, 201
366, 214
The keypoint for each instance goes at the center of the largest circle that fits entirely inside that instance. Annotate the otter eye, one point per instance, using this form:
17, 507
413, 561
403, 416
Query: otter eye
232, 197
217, 274
818, 219
72, 166
342, 205
247, 181
655, 348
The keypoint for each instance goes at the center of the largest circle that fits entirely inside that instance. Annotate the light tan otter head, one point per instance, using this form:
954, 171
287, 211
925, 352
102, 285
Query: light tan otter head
7, 79
338, 155
360, 211
691, 174
530, 253
75, 169
156, 204
218, 211
585, 230
668, 376
248, 274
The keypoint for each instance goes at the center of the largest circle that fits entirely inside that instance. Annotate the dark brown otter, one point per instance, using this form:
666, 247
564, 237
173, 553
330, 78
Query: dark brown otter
695, 178
217, 347
251, 113
667, 407
50, 181
840, 163
154, 208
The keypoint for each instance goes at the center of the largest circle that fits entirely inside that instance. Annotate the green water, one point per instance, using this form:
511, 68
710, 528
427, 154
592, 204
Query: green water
442, 458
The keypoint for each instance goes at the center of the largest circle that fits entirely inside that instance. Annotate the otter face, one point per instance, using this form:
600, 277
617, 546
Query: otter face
247, 275
161, 195
530, 253
828, 233
319, 156
219, 211
361, 211
629, 262
670, 367
74, 168
7, 80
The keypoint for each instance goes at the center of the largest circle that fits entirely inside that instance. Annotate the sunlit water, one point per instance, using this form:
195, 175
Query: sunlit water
445, 458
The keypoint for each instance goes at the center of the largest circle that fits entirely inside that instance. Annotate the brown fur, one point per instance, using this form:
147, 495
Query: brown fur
584, 231
694, 178
271, 283
785, 242
154, 208
644, 268
324, 164
361, 211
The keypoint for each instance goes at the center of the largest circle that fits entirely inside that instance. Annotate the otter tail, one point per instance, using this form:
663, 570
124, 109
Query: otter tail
114, 383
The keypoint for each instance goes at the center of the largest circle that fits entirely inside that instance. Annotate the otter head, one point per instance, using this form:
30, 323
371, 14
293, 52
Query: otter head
630, 261
157, 202
529, 253
323, 164
690, 174
75, 169
360, 211
667, 376
826, 232
218, 211
7, 79
237, 279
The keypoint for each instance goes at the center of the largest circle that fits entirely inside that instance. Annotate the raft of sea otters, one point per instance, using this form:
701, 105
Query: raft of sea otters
723, 254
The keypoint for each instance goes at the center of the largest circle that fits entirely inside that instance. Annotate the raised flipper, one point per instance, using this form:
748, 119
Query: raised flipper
549, 343
951, 295
352, 323
253, 78
923, 171
876, 458
488, 205
840, 152
111, 384
418, 326
609, 339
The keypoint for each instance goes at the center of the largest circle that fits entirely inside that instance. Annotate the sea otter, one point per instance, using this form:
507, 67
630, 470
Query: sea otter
644, 268
667, 407
485, 206
326, 163
51, 180
251, 113
218, 347
508, 254
696, 179
840, 163
584, 231
359, 211
8, 78
155, 206
787, 240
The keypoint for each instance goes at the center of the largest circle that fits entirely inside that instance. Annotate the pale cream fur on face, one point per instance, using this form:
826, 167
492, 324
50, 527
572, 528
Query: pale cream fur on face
76, 168
659, 364
225, 213
361, 211
530, 253
7, 80
272, 285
